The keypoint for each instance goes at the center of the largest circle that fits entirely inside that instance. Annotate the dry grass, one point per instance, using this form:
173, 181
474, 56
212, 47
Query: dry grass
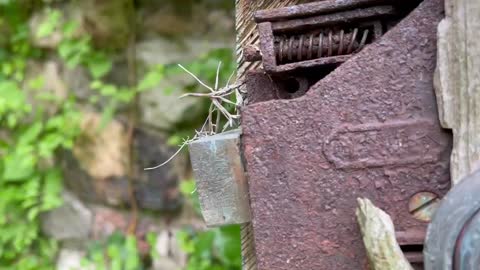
219, 99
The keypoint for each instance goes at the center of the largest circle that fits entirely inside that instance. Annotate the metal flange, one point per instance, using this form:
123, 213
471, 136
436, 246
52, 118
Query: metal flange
453, 236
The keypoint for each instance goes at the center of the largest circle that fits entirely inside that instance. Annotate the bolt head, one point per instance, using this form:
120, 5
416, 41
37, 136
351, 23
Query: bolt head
423, 204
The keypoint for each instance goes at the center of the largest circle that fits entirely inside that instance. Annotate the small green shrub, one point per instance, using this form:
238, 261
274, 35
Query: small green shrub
117, 252
214, 249
36, 124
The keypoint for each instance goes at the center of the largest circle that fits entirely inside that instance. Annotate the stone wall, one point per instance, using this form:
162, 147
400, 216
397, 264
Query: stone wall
97, 195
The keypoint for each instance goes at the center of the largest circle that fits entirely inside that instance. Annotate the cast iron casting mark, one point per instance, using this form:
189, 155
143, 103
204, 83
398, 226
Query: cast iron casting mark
369, 129
319, 35
383, 144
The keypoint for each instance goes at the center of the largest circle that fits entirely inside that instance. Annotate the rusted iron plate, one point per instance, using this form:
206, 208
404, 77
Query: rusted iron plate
314, 8
368, 129
220, 177
259, 87
344, 17
452, 236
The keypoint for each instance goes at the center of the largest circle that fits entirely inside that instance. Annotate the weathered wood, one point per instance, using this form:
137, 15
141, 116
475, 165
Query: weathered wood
457, 83
221, 181
379, 238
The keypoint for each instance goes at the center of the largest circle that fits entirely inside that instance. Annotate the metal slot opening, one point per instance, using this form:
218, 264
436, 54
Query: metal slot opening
413, 253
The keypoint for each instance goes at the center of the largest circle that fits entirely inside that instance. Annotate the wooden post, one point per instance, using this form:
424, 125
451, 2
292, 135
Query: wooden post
457, 83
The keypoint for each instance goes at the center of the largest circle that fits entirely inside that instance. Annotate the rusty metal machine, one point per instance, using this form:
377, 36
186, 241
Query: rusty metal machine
453, 238
344, 107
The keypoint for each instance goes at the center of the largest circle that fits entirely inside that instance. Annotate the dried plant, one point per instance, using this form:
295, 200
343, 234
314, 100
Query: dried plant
219, 98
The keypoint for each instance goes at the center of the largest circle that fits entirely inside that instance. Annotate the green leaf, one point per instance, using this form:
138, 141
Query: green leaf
47, 96
75, 51
31, 134
12, 120
69, 28
108, 90
187, 187
132, 260
174, 140
96, 84
48, 26
11, 96
74, 60
107, 114
52, 188
19, 165
37, 83
7, 68
151, 79
125, 95
227, 243
203, 244
113, 251
32, 213
152, 242
49, 144
184, 241
99, 65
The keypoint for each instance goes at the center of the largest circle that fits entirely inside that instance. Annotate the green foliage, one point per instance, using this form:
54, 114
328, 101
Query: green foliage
118, 252
205, 67
36, 124
152, 78
214, 249
47, 27
79, 51
29, 182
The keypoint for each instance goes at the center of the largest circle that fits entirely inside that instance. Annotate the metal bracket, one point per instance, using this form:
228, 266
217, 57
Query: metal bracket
318, 34
220, 177
368, 129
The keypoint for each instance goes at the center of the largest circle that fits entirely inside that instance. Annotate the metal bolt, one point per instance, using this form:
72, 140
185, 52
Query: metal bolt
423, 205
252, 53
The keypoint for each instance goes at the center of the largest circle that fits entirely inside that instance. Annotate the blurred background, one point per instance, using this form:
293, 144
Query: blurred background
88, 99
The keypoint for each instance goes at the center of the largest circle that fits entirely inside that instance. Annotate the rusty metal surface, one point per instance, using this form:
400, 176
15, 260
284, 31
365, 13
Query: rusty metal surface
368, 129
318, 34
345, 17
315, 8
452, 236
251, 53
260, 87
220, 177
